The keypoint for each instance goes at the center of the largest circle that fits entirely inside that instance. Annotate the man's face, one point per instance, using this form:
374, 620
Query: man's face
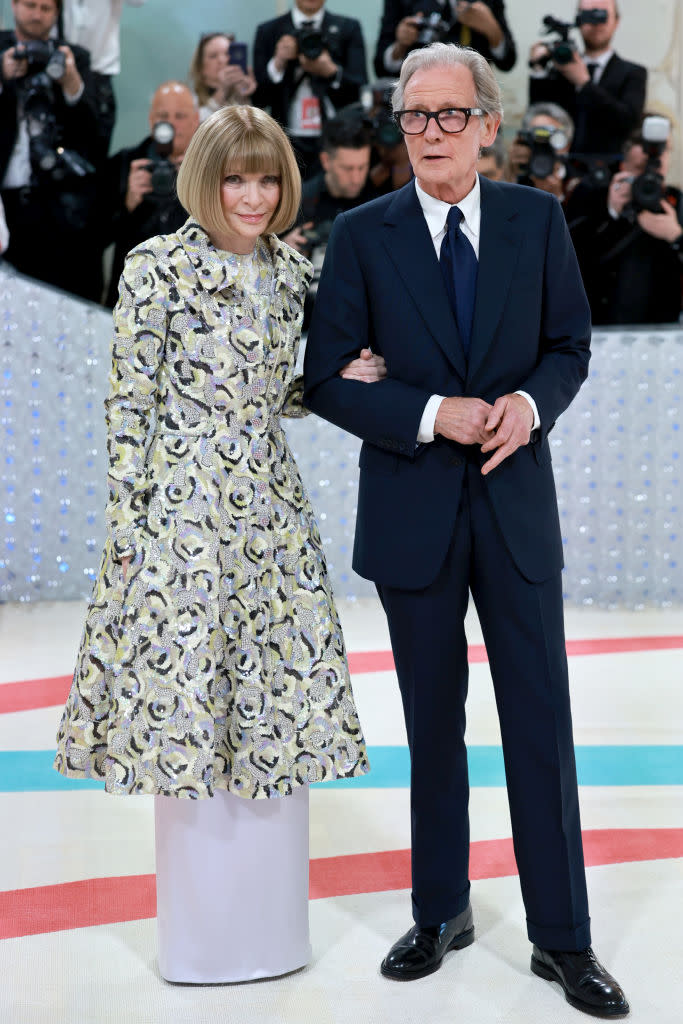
544, 121
174, 103
34, 19
309, 7
598, 37
346, 171
488, 168
444, 162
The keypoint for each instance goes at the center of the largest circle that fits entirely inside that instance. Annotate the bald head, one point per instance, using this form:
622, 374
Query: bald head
174, 102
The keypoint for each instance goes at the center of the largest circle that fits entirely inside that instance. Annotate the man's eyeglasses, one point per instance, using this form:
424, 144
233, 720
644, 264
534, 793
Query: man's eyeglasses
451, 120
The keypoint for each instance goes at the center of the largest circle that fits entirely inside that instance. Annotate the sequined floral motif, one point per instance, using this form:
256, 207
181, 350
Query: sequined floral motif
220, 661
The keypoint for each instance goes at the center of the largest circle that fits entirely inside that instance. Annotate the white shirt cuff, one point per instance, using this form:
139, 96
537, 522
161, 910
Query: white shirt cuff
534, 408
426, 432
273, 74
499, 51
71, 101
390, 63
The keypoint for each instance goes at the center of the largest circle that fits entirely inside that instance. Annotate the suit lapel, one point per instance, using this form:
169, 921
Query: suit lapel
411, 250
500, 237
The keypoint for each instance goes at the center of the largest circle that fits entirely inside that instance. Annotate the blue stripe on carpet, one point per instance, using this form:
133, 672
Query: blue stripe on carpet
23, 771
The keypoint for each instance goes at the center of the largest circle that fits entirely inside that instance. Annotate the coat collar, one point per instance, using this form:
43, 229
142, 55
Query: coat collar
216, 273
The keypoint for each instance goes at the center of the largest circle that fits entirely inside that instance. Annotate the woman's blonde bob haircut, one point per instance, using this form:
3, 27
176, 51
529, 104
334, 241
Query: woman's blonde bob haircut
237, 140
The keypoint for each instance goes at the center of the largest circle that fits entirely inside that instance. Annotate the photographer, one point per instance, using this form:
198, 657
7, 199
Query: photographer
603, 93
536, 155
407, 24
216, 79
139, 195
630, 248
47, 140
492, 161
308, 65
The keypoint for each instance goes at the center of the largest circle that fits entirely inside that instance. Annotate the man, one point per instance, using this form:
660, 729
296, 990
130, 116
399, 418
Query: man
308, 65
139, 198
47, 131
480, 24
492, 161
457, 493
342, 183
95, 25
603, 93
631, 256
536, 156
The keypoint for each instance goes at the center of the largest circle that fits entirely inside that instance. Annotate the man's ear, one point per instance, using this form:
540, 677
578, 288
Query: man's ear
325, 161
489, 129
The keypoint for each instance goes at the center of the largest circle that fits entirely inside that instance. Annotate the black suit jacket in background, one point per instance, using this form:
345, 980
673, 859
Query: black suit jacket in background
347, 49
77, 122
395, 10
606, 114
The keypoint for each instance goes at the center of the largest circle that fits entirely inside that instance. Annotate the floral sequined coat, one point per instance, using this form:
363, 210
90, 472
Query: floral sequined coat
219, 662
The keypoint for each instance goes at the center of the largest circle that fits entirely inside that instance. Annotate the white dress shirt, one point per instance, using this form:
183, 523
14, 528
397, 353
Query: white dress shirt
436, 212
600, 62
94, 24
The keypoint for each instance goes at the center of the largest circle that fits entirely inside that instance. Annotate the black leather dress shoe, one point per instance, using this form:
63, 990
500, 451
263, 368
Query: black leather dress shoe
586, 983
420, 951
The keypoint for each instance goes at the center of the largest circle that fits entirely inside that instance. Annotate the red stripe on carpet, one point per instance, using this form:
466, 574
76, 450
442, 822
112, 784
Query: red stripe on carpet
29, 694
97, 901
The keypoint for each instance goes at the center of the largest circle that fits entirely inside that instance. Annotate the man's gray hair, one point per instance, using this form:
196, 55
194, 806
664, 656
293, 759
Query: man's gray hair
553, 110
438, 55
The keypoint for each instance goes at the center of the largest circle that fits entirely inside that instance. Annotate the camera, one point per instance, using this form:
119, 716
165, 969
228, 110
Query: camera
378, 112
545, 142
647, 190
562, 49
49, 159
160, 167
431, 28
311, 42
41, 56
319, 234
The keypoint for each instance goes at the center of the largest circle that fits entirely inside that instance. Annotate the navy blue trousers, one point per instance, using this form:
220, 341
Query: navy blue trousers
523, 631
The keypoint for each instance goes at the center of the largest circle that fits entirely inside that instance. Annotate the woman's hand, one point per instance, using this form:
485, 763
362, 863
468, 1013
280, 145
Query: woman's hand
367, 368
125, 562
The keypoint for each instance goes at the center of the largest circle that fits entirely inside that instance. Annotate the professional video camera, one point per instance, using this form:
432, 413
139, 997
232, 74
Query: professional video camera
562, 49
163, 172
647, 189
312, 42
546, 144
41, 55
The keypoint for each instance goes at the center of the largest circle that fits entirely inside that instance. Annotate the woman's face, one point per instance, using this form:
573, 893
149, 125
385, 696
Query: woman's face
249, 202
214, 60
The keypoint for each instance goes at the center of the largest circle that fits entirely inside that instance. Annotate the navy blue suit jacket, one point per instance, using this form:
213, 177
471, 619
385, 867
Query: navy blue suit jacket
381, 286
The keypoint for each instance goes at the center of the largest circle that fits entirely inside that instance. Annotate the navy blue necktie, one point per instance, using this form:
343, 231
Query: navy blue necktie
459, 268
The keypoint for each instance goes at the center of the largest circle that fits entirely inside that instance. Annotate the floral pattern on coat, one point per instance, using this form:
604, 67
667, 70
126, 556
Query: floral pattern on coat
219, 662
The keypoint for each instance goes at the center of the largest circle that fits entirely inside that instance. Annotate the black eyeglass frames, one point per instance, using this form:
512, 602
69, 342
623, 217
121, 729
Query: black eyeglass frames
450, 120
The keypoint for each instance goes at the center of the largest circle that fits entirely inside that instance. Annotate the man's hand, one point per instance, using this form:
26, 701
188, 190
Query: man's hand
232, 77
368, 368
125, 563
464, 420
286, 49
407, 32
323, 66
539, 54
553, 183
139, 184
619, 192
575, 71
71, 80
11, 67
662, 225
480, 18
296, 237
509, 424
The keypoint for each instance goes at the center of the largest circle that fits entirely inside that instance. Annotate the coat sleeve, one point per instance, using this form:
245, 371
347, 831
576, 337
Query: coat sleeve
618, 113
140, 323
354, 72
392, 13
386, 413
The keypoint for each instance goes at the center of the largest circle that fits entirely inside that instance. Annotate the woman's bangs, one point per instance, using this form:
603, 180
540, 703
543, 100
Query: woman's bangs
253, 154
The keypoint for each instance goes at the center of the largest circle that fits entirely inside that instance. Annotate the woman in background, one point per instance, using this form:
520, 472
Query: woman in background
215, 81
212, 671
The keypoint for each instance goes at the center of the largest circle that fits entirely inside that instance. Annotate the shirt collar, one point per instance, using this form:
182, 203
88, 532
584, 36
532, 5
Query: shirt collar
436, 211
299, 18
602, 61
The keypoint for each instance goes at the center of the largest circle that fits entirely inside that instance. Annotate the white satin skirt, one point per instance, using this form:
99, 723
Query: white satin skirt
232, 887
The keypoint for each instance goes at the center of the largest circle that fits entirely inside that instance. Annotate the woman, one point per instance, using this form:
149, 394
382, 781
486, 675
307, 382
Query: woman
217, 82
212, 662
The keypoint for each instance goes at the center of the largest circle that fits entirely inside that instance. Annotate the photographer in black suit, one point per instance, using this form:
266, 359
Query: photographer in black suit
603, 93
480, 24
308, 65
47, 140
